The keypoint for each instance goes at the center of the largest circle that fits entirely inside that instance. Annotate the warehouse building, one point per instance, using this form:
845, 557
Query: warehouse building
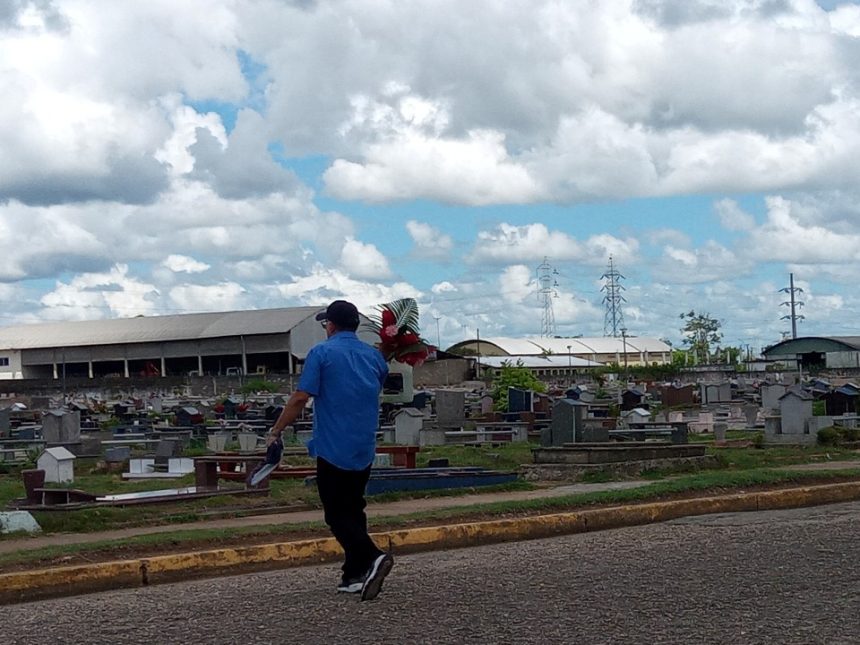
593, 352
816, 352
247, 342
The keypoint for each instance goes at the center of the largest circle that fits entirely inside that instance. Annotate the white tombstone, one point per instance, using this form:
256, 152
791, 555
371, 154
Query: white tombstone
141, 466
247, 441
217, 441
180, 465
58, 464
407, 426
18, 521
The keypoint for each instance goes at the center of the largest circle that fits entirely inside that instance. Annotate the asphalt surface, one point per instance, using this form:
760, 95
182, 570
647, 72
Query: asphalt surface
770, 577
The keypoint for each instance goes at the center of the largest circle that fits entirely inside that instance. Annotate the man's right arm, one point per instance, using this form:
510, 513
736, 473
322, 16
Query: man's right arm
292, 409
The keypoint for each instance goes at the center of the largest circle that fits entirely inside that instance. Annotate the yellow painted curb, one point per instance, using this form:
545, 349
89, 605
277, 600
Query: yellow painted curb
30, 585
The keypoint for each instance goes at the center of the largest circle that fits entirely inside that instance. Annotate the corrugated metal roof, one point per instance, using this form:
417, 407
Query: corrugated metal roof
581, 345
539, 361
148, 329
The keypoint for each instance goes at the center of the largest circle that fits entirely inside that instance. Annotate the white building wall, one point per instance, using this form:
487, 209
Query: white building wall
10, 365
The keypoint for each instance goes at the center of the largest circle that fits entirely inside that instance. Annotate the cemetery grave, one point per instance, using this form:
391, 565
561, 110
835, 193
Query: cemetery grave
140, 442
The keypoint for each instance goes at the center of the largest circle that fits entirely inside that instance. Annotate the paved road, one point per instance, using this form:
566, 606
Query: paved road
774, 577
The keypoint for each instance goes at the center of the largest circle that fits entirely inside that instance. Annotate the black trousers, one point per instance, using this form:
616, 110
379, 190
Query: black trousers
342, 496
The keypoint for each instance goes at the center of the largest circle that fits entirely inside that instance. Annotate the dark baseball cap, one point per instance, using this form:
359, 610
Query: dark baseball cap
342, 313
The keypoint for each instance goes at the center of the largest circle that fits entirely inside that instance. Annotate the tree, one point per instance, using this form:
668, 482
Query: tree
517, 376
701, 331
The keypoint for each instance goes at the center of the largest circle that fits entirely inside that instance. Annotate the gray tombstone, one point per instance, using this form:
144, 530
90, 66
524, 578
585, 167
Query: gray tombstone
165, 449
770, 396
450, 408
487, 404
751, 413
117, 454
61, 426
567, 416
795, 408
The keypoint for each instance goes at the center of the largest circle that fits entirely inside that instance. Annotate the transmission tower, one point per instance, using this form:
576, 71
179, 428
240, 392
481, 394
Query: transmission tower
793, 303
613, 320
546, 283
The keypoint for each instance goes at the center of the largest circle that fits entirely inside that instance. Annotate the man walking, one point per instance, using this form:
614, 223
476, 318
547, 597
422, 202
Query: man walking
344, 376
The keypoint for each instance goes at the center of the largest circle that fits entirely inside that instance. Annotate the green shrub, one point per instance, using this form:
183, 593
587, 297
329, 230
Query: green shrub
828, 436
850, 434
758, 440
259, 385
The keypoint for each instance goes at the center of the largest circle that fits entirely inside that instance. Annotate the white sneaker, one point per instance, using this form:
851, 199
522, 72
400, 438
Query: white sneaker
353, 585
380, 568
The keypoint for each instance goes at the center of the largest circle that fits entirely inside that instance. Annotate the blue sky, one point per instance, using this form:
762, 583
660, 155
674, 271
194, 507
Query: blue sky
290, 153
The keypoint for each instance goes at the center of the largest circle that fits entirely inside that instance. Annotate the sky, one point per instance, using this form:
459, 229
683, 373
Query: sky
162, 157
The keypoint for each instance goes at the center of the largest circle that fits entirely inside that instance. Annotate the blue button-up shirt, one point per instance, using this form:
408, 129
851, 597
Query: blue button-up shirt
345, 376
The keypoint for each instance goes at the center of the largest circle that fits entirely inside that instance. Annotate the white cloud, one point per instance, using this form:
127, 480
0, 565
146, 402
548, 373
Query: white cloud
712, 261
364, 261
443, 287
532, 242
322, 285
786, 237
100, 295
732, 216
430, 242
474, 171
226, 296
184, 264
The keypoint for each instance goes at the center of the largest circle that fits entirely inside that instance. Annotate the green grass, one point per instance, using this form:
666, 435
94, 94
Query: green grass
211, 537
507, 456
294, 493
745, 458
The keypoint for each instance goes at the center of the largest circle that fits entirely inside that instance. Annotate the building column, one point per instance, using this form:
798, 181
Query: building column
199, 364
125, 367
163, 366
290, 366
56, 372
90, 368
244, 356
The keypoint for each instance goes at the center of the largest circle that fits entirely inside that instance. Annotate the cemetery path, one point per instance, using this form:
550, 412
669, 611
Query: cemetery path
387, 509
824, 465
770, 577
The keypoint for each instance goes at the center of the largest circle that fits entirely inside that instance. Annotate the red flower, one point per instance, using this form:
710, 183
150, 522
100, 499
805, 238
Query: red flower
415, 359
407, 339
387, 318
389, 332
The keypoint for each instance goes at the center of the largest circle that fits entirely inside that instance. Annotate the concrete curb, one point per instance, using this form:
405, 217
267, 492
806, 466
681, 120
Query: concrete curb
62, 581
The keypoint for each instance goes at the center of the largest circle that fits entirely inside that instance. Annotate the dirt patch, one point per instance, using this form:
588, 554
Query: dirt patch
122, 551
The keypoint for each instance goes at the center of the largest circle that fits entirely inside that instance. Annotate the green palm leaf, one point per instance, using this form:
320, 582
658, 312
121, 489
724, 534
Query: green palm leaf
405, 313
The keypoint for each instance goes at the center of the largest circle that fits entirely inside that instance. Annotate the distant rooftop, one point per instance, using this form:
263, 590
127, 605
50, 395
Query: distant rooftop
147, 329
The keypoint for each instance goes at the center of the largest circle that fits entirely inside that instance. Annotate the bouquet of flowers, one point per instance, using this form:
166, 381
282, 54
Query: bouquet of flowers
396, 324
